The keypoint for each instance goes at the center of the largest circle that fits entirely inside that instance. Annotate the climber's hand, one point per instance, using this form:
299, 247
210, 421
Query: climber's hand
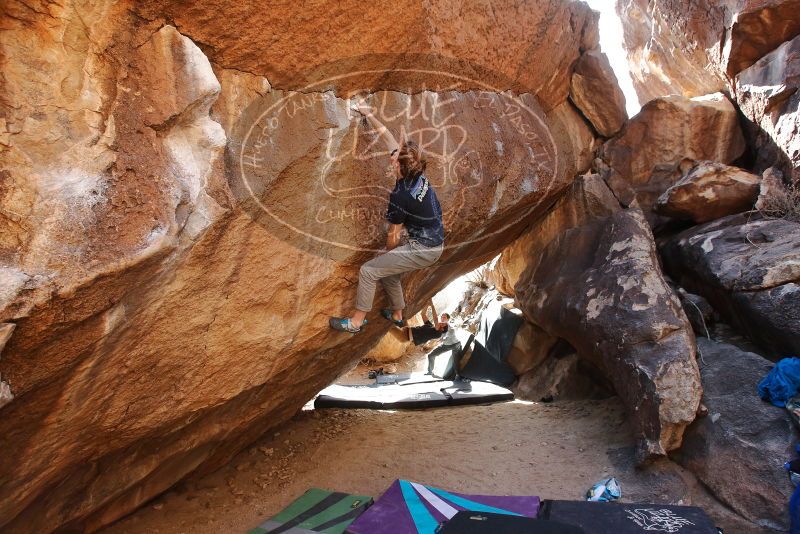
363, 108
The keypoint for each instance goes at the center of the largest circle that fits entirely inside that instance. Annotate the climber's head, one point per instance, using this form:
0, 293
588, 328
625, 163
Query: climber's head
408, 161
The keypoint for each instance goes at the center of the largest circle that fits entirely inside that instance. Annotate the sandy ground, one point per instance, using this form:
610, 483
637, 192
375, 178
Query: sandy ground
554, 450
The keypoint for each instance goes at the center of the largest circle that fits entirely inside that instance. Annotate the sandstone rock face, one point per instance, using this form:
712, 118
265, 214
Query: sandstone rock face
530, 349
709, 191
588, 198
390, 348
146, 276
666, 131
593, 77
767, 95
608, 299
749, 269
695, 47
674, 46
758, 28
6, 329
739, 46
529, 48
581, 138
738, 449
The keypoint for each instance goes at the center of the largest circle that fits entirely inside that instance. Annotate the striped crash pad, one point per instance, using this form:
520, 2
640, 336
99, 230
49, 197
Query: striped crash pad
411, 508
316, 511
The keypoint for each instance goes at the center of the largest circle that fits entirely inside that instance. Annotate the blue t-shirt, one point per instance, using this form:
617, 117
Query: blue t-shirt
413, 203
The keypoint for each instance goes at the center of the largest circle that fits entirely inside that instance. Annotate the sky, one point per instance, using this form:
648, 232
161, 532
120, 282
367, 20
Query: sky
611, 44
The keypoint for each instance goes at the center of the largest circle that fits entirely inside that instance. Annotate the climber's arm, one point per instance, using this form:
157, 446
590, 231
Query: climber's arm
393, 237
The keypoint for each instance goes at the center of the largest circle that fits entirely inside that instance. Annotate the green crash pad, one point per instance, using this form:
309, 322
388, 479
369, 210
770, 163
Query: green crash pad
316, 511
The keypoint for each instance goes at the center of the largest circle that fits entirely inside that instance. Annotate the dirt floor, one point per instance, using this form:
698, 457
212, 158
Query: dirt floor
554, 450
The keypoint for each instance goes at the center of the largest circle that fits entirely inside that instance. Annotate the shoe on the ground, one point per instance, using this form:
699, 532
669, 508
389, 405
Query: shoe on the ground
342, 324
387, 314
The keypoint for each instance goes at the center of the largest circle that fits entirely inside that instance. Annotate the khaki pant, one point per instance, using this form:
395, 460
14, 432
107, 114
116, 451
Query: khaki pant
388, 267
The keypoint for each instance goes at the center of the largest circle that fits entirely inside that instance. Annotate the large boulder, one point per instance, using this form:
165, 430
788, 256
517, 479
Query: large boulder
595, 91
742, 47
748, 267
767, 94
167, 311
530, 349
587, 198
674, 46
708, 191
390, 348
599, 287
647, 152
579, 134
738, 449
693, 47
757, 28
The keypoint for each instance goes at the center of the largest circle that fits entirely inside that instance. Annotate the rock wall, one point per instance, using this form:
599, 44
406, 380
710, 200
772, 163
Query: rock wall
674, 46
742, 438
749, 268
646, 155
589, 198
598, 286
162, 319
696, 47
742, 47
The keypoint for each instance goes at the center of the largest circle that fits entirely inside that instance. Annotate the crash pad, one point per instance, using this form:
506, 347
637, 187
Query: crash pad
317, 510
413, 508
604, 517
411, 395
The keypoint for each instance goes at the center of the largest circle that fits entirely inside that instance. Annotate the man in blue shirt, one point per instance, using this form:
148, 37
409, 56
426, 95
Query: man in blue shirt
412, 205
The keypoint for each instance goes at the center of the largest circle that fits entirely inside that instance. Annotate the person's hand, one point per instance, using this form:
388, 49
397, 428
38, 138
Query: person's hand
363, 108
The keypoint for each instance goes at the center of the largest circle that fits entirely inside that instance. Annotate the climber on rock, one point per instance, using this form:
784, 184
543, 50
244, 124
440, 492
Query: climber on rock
413, 206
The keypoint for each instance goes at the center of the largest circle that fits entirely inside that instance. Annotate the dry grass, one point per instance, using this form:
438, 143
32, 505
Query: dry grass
783, 204
480, 277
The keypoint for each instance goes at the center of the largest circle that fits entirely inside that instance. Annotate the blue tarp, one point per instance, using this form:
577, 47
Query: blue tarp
794, 511
781, 383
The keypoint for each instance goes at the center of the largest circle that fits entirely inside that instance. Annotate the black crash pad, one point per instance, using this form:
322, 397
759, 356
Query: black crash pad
619, 518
